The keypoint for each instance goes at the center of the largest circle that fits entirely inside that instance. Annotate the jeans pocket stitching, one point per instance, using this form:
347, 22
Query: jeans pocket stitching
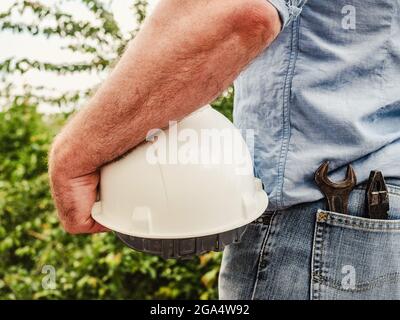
317, 269
361, 223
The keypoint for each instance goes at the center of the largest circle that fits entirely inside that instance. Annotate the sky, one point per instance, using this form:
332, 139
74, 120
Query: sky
49, 50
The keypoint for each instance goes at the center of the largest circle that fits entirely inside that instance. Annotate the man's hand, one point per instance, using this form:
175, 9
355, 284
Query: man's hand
75, 198
185, 55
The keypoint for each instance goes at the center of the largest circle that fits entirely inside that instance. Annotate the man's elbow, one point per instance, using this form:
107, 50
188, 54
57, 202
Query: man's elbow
206, 21
255, 19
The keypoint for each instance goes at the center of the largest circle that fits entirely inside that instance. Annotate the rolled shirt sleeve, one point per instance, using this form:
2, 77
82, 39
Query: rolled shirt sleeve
288, 9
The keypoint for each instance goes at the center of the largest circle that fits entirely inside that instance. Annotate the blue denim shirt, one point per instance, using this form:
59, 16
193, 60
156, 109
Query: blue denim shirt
328, 88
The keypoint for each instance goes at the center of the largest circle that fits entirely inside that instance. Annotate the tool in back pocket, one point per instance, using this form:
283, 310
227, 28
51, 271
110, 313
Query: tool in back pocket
377, 196
336, 193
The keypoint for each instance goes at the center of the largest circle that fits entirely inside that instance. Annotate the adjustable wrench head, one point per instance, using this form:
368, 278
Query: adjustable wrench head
336, 193
322, 180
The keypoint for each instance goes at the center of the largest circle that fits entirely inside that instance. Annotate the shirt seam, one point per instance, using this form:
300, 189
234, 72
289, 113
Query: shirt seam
288, 10
286, 123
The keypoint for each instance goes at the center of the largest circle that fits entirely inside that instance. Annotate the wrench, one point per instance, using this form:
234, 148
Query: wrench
336, 193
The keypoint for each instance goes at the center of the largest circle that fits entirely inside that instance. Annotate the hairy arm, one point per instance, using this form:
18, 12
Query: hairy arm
185, 55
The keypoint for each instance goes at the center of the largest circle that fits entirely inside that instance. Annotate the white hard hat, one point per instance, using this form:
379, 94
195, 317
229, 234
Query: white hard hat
188, 190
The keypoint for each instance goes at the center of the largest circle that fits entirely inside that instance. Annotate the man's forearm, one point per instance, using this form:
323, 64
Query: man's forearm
186, 54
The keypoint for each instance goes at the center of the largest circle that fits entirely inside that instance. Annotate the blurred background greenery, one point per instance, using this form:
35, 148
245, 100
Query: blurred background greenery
87, 267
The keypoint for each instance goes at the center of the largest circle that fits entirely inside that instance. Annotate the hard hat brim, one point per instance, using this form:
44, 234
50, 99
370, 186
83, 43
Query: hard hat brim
103, 219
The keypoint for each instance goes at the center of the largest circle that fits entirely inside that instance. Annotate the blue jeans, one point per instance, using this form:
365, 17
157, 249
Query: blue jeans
306, 252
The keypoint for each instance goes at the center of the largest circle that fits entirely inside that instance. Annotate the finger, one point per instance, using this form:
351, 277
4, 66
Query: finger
98, 228
89, 226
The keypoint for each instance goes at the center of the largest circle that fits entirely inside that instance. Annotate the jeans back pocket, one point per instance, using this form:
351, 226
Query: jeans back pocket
356, 257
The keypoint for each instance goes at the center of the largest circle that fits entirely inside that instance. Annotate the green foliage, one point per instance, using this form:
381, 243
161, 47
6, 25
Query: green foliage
89, 267
224, 103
